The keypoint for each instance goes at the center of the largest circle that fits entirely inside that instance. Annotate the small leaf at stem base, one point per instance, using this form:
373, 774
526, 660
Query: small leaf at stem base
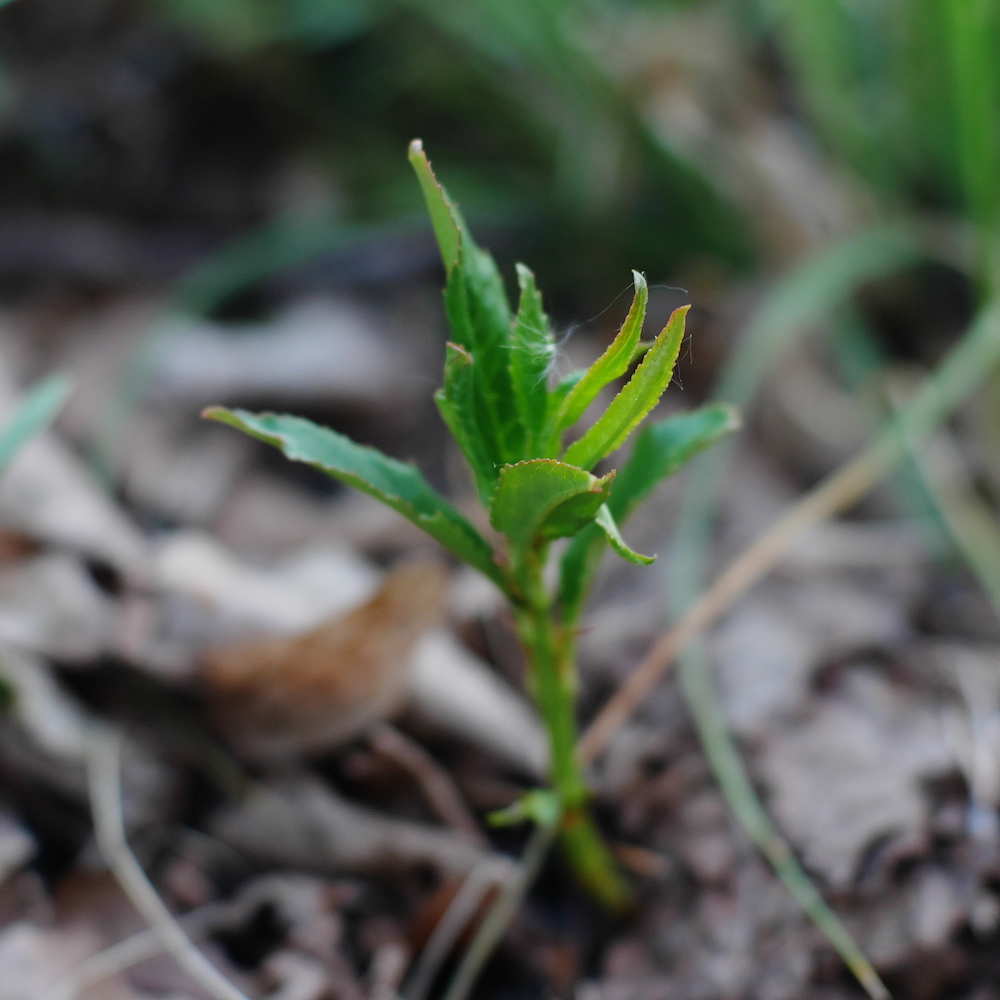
540, 805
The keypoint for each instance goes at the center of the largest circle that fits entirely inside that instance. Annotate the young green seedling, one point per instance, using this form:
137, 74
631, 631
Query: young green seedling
510, 425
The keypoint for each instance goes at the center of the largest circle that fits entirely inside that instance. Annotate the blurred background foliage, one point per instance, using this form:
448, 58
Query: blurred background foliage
697, 140
229, 152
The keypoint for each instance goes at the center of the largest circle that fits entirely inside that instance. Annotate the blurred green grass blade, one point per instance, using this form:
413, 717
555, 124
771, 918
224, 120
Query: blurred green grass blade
272, 248
35, 413
871, 77
236, 25
908, 93
971, 525
972, 361
804, 297
249, 258
974, 45
582, 113
240, 27
696, 682
932, 482
861, 362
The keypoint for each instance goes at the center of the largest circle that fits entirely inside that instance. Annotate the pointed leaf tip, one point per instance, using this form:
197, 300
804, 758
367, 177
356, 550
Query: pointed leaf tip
399, 485
612, 364
606, 522
444, 216
641, 393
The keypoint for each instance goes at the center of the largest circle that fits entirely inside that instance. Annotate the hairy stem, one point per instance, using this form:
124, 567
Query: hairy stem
552, 671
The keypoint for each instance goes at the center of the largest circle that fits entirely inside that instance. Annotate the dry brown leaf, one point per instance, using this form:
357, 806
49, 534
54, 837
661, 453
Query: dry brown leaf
851, 771
15, 547
285, 695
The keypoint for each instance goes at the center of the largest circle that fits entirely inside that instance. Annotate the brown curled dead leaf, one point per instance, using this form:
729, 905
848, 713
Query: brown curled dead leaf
281, 696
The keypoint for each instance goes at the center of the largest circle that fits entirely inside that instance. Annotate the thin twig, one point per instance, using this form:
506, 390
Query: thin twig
387, 970
133, 950
487, 873
967, 365
436, 784
494, 926
845, 487
104, 778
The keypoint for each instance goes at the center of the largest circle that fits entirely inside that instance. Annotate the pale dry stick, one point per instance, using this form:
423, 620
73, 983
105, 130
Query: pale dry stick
494, 926
387, 970
104, 779
436, 784
840, 490
966, 367
132, 951
488, 872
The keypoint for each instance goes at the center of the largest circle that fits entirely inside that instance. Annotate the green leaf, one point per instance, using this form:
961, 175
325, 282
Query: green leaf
457, 404
37, 410
577, 512
612, 364
540, 805
659, 451
480, 322
445, 219
640, 394
552, 444
545, 498
532, 352
399, 485
606, 522
662, 448
480, 319
640, 352
487, 318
